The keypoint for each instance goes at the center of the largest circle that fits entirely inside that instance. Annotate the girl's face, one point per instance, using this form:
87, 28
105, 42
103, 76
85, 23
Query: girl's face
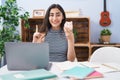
55, 18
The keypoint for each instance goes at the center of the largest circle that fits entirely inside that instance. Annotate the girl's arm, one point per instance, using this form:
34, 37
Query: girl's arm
70, 38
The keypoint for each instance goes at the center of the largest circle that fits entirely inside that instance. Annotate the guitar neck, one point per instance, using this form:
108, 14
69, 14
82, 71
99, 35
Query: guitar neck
104, 6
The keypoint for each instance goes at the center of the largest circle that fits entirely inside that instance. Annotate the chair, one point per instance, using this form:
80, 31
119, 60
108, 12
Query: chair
106, 55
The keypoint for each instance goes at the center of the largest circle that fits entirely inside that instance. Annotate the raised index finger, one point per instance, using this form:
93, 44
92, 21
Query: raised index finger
36, 28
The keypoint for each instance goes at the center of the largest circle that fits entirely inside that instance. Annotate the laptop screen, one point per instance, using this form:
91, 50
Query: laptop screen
26, 55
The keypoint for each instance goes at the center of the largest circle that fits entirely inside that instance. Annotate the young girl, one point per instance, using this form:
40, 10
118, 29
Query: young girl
58, 33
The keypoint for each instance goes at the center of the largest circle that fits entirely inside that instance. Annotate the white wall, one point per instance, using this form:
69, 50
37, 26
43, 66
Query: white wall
90, 8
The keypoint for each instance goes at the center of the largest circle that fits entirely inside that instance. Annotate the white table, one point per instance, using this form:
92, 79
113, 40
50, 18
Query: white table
56, 70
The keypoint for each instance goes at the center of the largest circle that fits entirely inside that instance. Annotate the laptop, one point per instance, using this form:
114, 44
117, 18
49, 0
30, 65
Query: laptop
27, 55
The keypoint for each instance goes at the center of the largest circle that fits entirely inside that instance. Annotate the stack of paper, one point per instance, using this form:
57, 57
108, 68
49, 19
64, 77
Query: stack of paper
89, 64
39, 74
67, 65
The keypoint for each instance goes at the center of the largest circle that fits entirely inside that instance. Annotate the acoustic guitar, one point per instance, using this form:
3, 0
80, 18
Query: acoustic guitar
105, 19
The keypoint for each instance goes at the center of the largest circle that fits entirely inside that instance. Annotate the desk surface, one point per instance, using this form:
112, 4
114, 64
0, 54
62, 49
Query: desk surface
56, 70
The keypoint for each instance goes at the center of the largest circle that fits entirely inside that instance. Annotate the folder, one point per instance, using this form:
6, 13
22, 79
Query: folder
78, 72
95, 74
38, 74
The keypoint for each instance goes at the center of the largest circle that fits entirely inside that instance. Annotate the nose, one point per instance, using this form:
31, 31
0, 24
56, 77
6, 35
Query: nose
54, 17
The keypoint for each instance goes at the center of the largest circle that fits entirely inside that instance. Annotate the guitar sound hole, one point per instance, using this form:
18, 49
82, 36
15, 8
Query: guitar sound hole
105, 22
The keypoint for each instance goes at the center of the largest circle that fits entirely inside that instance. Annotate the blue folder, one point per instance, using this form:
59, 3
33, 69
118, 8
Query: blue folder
38, 74
78, 72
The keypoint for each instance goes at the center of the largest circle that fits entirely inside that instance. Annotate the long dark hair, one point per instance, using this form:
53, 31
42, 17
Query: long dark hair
46, 24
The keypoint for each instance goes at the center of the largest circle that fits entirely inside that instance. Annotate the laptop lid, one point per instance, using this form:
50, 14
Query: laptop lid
26, 55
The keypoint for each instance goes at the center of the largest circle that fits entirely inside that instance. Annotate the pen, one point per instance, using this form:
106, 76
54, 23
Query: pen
111, 67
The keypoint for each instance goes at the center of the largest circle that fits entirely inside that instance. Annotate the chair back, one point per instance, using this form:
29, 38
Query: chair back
106, 55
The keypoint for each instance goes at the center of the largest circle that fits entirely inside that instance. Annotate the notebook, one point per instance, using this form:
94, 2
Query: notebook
27, 55
78, 72
38, 74
95, 74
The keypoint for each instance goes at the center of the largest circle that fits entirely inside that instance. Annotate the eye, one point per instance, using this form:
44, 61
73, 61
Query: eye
51, 15
58, 15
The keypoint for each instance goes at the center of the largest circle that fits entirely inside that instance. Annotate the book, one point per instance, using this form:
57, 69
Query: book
95, 74
78, 72
38, 74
